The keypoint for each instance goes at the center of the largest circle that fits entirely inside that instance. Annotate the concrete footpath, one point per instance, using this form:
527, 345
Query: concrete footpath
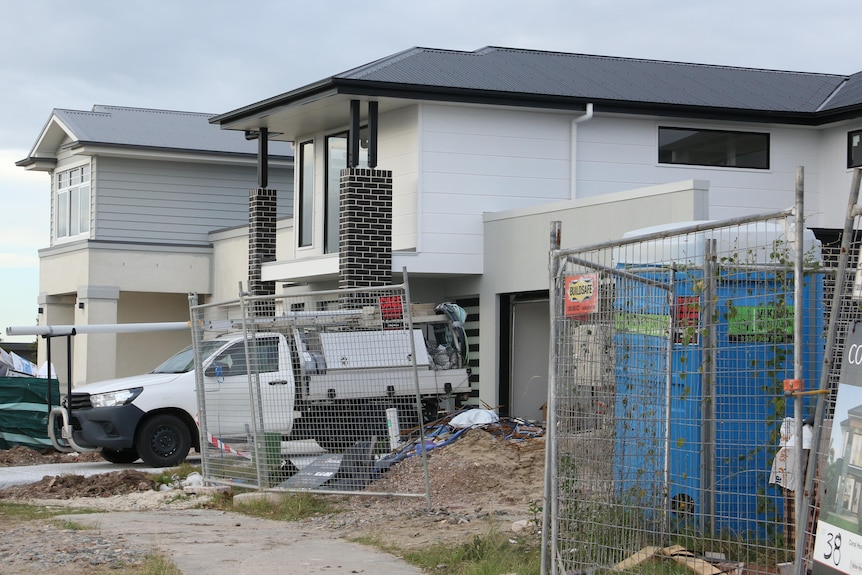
211, 542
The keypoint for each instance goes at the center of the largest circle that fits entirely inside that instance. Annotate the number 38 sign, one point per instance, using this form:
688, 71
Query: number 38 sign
837, 550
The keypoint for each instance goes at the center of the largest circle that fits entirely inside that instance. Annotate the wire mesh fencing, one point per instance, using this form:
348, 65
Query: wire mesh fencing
323, 391
670, 424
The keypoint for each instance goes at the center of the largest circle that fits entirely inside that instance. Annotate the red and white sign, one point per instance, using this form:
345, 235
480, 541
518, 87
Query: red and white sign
582, 295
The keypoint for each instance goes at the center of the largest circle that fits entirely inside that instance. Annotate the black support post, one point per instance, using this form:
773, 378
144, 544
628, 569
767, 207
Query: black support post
372, 134
263, 158
353, 137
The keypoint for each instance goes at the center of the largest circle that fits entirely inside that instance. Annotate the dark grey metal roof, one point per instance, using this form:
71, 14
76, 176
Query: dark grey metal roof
604, 79
165, 129
507, 76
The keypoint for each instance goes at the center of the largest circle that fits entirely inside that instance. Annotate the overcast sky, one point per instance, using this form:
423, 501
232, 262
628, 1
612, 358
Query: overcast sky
219, 55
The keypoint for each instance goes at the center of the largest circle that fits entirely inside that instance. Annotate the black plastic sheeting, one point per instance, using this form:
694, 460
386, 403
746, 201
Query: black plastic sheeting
24, 411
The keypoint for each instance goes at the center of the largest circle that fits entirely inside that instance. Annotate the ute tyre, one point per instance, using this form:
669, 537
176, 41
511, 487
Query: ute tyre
163, 441
129, 455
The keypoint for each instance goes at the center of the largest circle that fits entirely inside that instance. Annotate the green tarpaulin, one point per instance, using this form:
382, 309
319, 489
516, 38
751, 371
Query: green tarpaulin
24, 411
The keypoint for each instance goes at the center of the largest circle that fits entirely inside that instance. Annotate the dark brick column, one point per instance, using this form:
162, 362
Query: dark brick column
261, 242
365, 228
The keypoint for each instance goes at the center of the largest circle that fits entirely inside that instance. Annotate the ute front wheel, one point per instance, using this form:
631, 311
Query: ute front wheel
163, 441
129, 455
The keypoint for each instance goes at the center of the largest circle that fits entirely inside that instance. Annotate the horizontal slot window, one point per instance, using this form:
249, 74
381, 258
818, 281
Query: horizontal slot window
719, 148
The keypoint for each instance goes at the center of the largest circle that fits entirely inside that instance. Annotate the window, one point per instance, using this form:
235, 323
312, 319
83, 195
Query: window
854, 149
73, 202
306, 194
713, 148
336, 160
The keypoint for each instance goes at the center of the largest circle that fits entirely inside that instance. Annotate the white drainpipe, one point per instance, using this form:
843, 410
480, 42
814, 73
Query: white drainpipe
573, 176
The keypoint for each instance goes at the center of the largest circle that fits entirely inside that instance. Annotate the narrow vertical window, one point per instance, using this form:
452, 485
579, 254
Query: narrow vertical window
336, 160
306, 194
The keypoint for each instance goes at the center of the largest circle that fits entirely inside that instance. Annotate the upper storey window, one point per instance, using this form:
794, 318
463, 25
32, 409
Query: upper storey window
854, 149
72, 202
713, 148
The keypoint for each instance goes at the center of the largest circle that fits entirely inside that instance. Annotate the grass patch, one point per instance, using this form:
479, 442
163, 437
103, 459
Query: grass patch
280, 507
169, 475
154, 564
23, 512
489, 554
71, 525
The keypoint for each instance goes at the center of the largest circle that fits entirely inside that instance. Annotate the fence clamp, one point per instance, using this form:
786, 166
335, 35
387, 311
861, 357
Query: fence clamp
793, 386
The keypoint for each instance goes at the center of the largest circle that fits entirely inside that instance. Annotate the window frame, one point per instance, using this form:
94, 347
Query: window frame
850, 146
731, 162
305, 196
331, 193
72, 202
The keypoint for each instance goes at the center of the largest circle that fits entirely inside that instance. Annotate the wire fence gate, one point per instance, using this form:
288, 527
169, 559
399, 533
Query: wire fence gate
685, 363
323, 391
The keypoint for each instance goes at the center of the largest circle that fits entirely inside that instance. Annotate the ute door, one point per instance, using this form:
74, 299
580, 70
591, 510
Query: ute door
236, 400
271, 358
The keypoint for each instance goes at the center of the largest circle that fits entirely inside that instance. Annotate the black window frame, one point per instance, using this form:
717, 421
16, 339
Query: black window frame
857, 163
756, 158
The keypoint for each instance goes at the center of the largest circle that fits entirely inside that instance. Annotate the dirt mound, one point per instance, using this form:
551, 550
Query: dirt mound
478, 463
74, 486
21, 455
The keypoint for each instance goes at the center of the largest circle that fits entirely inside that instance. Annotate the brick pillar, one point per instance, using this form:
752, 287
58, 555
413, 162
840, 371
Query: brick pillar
261, 243
365, 228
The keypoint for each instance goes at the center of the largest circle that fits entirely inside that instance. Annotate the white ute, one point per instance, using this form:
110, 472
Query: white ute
153, 416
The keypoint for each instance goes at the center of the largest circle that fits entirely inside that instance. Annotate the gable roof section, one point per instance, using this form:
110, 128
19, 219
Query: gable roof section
144, 128
508, 76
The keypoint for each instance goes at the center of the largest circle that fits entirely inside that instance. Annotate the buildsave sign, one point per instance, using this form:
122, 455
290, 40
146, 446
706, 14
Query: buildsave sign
838, 542
582, 295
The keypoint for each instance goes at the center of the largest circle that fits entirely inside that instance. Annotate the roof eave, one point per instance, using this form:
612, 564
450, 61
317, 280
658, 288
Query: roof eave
36, 164
309, 92
164, 150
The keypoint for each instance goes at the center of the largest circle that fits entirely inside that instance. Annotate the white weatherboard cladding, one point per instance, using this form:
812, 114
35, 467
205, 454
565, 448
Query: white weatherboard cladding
835, 179
475, 160
173, 202
399, 152
621, 153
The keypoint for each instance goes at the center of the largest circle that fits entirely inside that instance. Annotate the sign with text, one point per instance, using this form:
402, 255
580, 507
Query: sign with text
838, 540
582, 295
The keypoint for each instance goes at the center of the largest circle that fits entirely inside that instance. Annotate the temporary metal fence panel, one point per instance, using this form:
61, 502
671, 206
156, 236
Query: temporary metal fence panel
323, 391
670, 353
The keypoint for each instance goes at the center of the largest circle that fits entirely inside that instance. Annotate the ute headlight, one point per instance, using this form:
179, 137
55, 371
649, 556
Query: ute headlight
115, 398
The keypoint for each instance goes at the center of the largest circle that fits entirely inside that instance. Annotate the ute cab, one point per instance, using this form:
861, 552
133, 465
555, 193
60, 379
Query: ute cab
153, 416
